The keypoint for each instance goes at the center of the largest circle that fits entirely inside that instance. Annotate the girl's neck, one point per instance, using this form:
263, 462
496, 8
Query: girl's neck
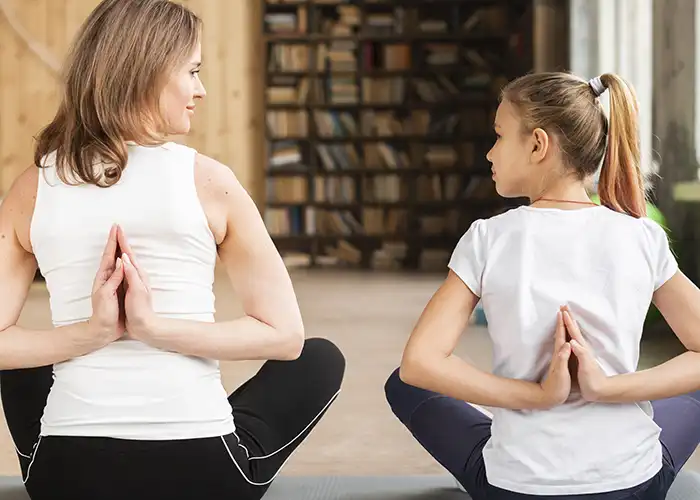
566, 196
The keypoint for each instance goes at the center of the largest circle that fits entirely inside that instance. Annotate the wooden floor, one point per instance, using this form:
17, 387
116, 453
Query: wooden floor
369, 316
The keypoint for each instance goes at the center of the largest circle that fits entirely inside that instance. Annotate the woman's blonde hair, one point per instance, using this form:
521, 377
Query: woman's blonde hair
568, 108
117, 67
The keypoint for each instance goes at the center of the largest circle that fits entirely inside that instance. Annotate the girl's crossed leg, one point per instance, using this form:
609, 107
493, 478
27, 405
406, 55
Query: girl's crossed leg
455, 433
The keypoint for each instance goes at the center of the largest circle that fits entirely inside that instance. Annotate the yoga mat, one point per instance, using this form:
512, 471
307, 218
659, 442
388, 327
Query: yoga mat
686, 487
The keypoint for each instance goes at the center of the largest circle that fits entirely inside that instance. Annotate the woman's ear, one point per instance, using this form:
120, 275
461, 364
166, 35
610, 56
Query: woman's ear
540, 145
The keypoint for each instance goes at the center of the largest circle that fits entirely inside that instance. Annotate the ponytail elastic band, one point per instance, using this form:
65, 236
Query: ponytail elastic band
597, 86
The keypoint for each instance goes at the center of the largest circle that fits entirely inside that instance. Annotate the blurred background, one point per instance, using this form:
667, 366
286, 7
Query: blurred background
360, 128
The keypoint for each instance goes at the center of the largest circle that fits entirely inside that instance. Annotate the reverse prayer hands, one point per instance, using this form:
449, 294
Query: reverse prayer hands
592, 381
137, 306
106, 323
557, 383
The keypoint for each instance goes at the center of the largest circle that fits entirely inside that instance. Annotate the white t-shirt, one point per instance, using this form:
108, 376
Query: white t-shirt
525, 264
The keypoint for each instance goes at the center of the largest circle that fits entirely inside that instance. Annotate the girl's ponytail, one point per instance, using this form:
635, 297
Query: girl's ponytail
621, 184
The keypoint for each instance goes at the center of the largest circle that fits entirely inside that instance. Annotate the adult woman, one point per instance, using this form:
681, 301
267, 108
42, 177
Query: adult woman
536, 268
136, 407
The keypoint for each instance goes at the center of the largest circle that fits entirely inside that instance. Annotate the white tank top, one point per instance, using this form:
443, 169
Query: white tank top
128, 389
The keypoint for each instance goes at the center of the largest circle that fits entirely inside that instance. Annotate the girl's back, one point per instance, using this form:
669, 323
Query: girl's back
566, 285
526, 264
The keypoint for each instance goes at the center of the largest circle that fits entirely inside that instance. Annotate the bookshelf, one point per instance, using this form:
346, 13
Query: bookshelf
379, 117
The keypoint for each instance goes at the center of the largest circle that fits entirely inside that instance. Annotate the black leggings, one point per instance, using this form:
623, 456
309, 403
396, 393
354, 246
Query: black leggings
274, 412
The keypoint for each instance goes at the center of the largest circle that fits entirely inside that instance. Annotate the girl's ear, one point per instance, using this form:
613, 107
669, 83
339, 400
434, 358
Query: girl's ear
540, 145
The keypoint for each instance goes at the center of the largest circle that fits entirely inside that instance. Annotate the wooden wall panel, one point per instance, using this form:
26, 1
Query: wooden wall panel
228, 125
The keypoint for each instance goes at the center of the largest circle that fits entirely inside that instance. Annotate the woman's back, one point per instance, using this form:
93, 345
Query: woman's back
127, 385
117, 390
527, 263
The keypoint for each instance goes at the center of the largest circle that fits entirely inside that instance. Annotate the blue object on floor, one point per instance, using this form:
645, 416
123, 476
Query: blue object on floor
479, 316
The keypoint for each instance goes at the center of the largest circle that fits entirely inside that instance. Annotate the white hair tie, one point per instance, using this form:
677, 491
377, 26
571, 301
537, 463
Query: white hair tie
597, 86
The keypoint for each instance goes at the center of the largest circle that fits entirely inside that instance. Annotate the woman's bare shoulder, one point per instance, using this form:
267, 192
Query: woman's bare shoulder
217, 188
212, 174
19, 202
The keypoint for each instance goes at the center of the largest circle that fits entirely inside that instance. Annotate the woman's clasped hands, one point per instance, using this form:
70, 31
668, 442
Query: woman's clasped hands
121, 295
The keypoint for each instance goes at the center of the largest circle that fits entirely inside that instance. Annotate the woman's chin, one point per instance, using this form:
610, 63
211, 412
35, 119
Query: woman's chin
182, 128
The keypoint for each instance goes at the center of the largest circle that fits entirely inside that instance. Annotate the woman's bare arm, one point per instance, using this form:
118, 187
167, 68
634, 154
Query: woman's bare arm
272, 326
22, 347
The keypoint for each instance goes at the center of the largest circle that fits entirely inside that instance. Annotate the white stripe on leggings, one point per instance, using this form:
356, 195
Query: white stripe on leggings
21, 454
29, 469
275, 452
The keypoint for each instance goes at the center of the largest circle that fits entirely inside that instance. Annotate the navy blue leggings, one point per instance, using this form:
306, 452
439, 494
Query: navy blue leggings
455, 433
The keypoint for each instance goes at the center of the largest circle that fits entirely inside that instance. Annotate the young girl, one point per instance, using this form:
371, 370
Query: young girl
542, 271
123, 398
